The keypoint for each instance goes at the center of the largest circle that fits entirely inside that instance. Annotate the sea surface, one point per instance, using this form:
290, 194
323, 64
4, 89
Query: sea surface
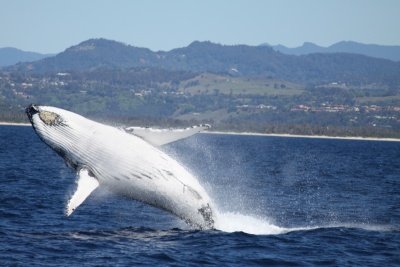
282, 202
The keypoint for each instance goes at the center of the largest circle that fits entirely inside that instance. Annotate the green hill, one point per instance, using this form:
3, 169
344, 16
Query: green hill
237, 60
241, 88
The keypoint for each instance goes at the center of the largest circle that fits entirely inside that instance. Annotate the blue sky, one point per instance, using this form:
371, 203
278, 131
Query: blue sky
50, 26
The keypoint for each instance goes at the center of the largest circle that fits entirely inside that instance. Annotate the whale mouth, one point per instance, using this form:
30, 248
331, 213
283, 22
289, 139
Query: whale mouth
31, 110
47, 117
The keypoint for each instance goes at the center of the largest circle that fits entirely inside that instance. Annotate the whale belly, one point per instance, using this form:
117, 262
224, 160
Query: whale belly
156, 179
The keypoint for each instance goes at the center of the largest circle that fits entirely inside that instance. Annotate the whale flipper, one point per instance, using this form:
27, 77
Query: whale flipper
86, 184
159, 137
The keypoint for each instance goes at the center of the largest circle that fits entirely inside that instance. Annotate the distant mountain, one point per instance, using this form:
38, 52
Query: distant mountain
10, 56
94, 54
372, 50
238, 60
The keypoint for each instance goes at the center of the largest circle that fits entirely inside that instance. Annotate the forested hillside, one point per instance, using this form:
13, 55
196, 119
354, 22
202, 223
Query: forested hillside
238, 88
240, 60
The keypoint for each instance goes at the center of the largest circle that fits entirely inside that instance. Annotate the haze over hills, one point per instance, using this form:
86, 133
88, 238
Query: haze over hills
372, 50
10, 56
237, 60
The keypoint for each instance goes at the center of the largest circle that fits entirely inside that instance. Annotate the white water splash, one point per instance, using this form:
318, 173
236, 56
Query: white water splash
236, 222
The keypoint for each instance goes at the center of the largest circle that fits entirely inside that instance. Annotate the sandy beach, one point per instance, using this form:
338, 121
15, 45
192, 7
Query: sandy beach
265, 134
14, 123
310, 136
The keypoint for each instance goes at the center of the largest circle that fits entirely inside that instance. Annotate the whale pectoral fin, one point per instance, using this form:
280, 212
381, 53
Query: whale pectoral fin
159, 137
86, 184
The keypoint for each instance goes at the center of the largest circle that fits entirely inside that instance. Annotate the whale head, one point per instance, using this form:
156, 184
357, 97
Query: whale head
58, 128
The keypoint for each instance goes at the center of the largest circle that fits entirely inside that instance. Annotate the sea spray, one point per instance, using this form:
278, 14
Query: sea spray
237, 222
224, 171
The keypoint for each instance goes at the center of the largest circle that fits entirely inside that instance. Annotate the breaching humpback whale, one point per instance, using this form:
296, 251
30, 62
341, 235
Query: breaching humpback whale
127, 162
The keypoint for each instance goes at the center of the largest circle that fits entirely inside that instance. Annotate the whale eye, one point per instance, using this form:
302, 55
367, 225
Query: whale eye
50, 118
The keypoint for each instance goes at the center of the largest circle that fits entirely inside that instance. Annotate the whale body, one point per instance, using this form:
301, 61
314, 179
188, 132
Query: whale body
127, 162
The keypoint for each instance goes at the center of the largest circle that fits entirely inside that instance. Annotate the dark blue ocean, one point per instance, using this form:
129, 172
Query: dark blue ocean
288, 201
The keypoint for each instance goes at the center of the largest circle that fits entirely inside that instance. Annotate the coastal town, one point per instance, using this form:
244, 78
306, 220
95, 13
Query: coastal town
182, 97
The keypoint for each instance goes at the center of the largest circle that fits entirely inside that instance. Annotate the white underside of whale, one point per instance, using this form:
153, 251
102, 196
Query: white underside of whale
125, 162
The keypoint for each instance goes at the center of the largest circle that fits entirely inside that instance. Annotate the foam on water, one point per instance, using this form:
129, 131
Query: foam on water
236, 222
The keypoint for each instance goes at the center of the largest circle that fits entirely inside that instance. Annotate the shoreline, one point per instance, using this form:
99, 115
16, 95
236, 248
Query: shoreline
2, 123
360, 138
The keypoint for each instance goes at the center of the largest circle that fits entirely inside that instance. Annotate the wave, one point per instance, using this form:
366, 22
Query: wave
235, 222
